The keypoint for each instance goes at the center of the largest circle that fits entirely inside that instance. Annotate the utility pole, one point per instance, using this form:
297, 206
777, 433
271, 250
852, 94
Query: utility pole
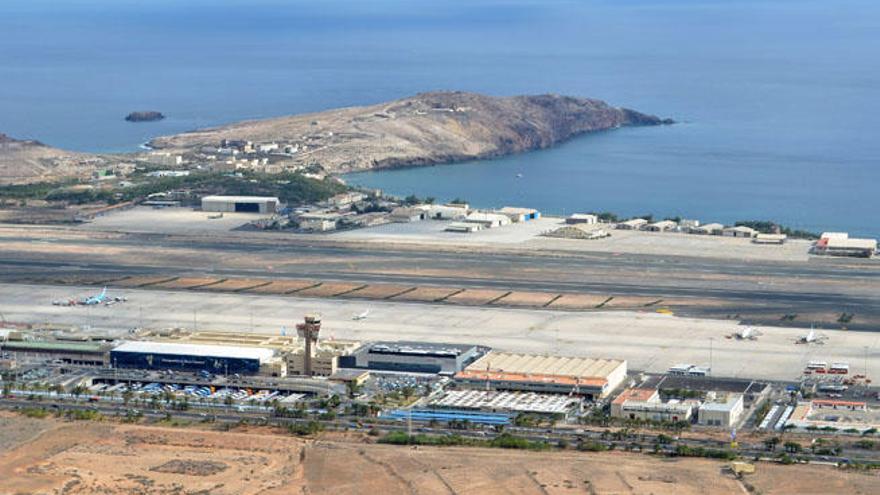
711, 342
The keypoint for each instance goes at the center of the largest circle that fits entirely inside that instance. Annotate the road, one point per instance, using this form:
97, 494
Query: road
621, 440
818, 290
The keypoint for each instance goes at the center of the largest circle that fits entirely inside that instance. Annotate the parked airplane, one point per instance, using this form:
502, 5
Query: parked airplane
747, 333
361, 316
101, 298
812, 338
92, 300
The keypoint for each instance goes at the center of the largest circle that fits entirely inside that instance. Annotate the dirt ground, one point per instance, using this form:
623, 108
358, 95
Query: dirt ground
82, 458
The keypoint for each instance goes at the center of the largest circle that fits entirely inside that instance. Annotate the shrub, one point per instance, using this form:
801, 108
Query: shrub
304, 429
591, 446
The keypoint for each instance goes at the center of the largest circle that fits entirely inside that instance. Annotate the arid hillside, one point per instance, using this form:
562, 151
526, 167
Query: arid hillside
426, 129
28, 161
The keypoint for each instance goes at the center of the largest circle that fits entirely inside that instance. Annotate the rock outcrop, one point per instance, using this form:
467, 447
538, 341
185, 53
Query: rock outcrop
150, 116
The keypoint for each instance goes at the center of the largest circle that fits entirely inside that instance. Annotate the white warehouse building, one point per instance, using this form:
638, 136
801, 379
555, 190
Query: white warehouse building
724, 410
488, 220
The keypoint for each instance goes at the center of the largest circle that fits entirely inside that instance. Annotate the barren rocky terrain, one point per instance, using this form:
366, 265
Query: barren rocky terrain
88, 457
23, 161
426, 129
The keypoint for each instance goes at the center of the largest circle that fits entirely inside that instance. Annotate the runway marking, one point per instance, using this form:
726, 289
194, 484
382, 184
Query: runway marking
606, 301
405, 291
253, 286
349, 291
502, 296
294, 291
447, 296
551, 301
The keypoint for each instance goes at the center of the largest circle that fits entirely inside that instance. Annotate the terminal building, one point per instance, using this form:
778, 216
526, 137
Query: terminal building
590, 378
414, 357
240, 204
215, 359
325, 357
78, 353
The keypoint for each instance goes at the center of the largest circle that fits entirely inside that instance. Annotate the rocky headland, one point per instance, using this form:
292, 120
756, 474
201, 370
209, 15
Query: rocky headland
425, 129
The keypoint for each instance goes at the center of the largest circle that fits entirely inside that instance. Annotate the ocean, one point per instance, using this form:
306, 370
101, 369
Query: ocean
776, 99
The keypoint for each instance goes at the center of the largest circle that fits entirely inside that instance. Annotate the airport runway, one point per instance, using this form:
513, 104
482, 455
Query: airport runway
818, 291
649, 341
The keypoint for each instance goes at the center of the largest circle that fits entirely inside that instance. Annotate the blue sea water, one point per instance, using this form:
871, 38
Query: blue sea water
777, 99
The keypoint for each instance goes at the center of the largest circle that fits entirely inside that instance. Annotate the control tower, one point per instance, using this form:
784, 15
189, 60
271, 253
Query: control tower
308, 331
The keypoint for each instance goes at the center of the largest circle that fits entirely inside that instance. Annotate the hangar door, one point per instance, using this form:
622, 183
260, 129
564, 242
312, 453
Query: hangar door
247, 207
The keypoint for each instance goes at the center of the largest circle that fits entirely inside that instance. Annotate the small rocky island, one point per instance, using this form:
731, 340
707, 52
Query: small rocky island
150, 116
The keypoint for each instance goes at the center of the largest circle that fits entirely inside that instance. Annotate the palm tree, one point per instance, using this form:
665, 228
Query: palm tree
78, 390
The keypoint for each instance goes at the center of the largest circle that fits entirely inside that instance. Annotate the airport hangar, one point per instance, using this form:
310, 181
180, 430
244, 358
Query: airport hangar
216, 359
240, 204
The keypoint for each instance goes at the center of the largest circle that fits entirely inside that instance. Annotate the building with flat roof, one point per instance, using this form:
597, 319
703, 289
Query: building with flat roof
661, 226
770, 238
414, 357
577, 218
834, 415
217, 359
517, 214
240, 204
840, 244
346, 199
447, 212
646, 404
739, 231
318, 222
593, 378
518, 402
633, 394
79, 353
281, 343
406, 214
463, 227
721, 410
688, 223
634, 224
708, 229
326, 355
488, 220
356, 377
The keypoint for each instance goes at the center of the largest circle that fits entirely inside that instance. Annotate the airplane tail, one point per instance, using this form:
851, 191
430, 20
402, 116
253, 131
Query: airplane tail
103, 292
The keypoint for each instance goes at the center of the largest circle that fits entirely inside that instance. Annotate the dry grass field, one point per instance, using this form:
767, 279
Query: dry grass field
53, 457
